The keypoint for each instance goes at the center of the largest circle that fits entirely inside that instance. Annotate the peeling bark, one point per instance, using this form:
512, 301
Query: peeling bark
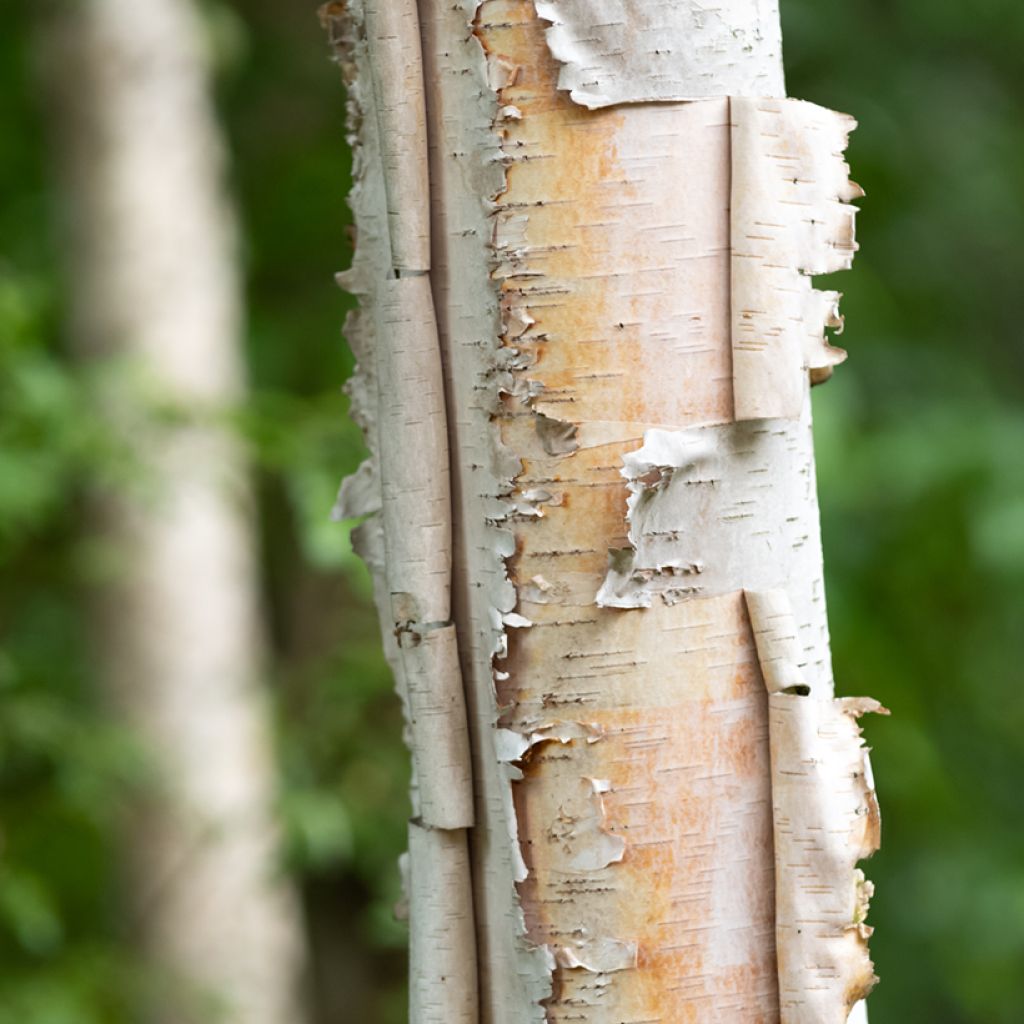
619, 268
614, 51
825, 820
791, 218
405, 486
714, 505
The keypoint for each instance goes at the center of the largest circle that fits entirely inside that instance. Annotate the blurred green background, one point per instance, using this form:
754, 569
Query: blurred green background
921, 453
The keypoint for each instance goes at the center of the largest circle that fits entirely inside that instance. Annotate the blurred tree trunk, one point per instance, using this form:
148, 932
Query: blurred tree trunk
156, 299
586, 342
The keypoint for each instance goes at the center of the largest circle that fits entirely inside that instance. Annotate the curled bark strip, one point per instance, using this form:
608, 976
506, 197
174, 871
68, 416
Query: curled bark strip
398, 400
791, 218
413, 453
442, 953
825, 820
437, 718
778, 646
598, 956
713, 509
393, 33
622, 51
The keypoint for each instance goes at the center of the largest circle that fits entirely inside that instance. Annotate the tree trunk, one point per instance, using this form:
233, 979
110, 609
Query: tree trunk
624, 209
156, 297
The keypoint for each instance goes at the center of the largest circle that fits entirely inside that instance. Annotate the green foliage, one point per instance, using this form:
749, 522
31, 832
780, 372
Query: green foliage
920, 438
63, 768
66, 949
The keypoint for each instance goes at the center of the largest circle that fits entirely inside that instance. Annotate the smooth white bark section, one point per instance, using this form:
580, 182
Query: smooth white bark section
155, 287
442, 947
393, 35
791, 218
632, 51
413, 453
437, 718
826, 820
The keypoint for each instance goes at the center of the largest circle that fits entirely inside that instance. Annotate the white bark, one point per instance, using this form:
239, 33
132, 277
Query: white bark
393, 39
405, 486
614, 51
826, 819
791, 218
624, 214
156, 292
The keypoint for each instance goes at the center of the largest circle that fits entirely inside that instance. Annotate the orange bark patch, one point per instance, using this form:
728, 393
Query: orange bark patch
612, 242
680, 709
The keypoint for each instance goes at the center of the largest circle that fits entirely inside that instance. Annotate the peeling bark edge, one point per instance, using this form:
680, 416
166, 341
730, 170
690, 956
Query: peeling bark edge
791, 219
712, 476
467, 176
826, 820
620, 51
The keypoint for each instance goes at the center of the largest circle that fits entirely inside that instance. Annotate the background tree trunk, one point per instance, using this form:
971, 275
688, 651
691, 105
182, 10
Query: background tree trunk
624, 211
156, 294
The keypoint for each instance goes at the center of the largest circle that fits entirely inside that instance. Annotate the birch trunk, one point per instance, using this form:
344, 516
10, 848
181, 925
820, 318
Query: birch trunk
624, 214
155, 291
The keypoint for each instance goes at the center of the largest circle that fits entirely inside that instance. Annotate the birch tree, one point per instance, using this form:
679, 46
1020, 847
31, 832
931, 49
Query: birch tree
155, 292
586, 231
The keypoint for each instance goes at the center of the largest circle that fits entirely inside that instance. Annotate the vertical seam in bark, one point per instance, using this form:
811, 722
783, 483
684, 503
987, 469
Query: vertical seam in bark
380, 39
466, 177
511, 386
